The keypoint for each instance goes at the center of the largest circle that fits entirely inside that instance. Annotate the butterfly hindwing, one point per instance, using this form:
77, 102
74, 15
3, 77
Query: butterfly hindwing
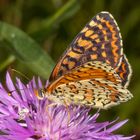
94, 83
124, 71
100, 40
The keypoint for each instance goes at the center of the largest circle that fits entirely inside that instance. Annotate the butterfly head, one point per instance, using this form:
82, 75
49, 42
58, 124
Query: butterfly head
43, 93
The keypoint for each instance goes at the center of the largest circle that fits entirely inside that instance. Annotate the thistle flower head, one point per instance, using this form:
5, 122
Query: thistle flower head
23, 116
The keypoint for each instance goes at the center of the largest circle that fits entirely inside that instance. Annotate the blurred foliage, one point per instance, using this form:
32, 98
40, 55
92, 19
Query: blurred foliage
53, 24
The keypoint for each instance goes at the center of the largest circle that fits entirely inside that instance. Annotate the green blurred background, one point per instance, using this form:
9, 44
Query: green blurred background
51, 25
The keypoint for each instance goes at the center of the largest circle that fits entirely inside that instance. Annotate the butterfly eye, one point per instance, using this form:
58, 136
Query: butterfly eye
40, 93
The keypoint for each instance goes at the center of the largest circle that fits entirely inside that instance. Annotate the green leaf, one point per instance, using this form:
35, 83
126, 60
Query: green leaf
26, 50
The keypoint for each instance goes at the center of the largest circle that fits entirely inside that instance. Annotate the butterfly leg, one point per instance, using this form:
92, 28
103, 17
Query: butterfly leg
47, 110
67, 108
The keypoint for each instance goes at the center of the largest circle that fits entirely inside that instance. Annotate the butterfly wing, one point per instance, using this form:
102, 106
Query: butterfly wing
100, 40
94, 83
124, 71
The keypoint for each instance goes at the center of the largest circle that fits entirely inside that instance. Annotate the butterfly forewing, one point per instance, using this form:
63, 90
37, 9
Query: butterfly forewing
100, 40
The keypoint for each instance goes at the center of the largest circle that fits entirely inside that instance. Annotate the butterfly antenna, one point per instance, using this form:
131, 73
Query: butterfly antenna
20, 73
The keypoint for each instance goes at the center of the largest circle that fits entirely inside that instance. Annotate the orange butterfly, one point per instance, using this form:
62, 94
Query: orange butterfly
93, 71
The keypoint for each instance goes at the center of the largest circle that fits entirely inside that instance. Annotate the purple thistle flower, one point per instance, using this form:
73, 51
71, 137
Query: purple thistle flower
24, 117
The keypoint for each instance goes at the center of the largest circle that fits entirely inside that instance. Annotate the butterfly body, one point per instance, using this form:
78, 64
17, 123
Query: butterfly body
93, 71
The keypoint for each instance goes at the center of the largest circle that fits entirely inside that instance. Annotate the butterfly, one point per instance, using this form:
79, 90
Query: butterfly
93, 71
